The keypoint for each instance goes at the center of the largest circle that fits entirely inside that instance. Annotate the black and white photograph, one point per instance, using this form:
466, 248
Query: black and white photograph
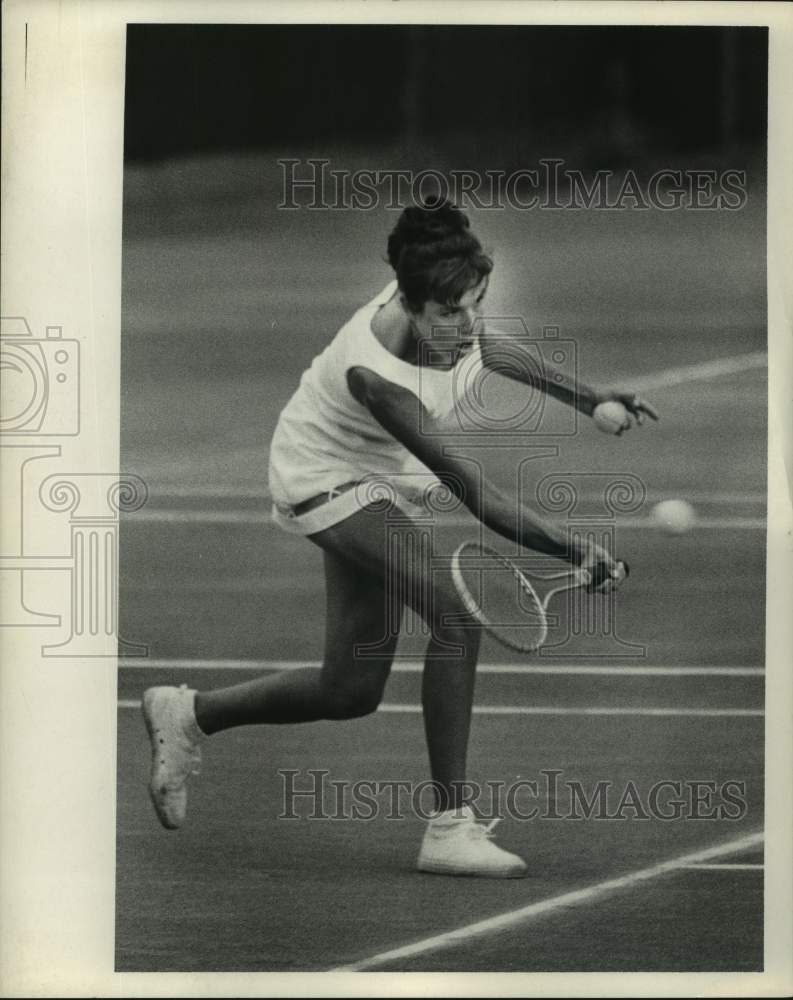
444, 365
432, 554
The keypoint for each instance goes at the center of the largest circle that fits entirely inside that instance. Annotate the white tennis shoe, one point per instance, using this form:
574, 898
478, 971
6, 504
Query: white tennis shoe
175, 750
456, 844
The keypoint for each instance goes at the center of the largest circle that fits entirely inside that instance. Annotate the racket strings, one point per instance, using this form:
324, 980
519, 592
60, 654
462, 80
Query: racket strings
501, 597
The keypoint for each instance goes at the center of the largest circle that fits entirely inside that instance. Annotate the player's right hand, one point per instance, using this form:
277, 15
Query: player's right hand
606, 573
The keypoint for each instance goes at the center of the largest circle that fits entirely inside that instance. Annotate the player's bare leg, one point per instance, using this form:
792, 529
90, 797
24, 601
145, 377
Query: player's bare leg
381, 548
447, 694
365, 587
454, 843
344, 687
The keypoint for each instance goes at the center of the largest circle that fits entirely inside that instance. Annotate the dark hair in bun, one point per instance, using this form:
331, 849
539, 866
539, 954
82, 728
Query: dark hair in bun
435, 254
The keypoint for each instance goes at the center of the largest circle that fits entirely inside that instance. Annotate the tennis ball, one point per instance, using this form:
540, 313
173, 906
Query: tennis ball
675, 517
611, 417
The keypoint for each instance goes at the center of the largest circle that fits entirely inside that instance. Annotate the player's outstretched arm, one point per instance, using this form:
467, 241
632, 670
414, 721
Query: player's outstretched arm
401, 413
510, 356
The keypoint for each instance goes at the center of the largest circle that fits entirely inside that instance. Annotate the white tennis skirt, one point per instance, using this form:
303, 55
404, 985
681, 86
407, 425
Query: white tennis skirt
412, 496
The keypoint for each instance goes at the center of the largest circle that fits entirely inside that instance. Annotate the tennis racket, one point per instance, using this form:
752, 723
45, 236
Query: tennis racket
503, 599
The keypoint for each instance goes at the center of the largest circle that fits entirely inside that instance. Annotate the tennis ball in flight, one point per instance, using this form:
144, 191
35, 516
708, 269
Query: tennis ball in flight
675, 517
611, 417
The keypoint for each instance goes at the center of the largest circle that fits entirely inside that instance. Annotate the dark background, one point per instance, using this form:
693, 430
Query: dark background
616, 90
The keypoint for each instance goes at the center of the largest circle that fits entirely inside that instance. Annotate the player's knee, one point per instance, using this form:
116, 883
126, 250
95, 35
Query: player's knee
354, 701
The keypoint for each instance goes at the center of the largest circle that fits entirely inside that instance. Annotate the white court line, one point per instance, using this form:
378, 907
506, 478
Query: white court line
607, 710
218, 491
512, 918
154, 516
724, 868
698, 713
417, 666
698, 372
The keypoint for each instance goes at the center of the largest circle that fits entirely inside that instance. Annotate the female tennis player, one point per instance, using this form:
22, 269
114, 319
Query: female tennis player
373, 403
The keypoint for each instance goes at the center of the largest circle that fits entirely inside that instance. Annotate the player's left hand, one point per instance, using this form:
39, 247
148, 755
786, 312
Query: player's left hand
633, 403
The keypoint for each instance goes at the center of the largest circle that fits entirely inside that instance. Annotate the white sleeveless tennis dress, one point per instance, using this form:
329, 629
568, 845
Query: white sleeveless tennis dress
325, 438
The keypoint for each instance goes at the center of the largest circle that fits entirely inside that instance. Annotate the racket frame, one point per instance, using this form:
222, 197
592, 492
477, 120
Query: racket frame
573, 578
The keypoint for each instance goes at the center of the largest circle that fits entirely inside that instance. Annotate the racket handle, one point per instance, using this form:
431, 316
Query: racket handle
600, 573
